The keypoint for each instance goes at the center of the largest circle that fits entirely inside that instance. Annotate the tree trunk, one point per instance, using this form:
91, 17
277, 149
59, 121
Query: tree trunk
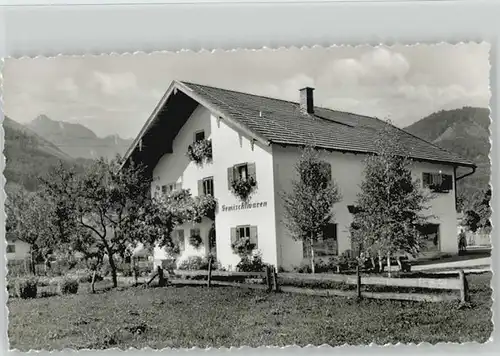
389, 265
113, 270
313, 269
373, 262
93, 281
380, 263
400, 264
32, 263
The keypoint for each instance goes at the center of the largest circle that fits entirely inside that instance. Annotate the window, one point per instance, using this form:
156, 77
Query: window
179, 237
430, 238
437, 182
241, 171
206, 186
199, 136
11, 248
171, 187
194, 232
245, 232
325, 246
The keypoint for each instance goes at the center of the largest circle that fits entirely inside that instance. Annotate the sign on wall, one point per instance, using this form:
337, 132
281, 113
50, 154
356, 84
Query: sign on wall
244, 206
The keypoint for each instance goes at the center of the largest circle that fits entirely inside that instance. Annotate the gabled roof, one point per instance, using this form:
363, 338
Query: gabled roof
275, 121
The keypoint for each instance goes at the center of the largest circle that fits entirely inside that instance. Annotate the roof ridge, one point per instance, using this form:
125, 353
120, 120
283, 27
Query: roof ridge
236, 109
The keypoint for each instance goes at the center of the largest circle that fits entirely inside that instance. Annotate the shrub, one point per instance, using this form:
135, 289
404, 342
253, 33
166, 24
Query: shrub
26, 288
68, 286
251, 264
87, 278
195, 241
193, 263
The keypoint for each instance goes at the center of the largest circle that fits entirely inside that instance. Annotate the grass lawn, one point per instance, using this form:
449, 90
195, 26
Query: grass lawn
182, 317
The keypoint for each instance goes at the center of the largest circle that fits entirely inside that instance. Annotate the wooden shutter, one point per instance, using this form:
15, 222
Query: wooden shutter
178, 186
253, 236
251, 171
200, 188
230, 177
233, 235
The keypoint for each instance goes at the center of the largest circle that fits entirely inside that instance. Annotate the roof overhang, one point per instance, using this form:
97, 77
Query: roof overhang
174, 88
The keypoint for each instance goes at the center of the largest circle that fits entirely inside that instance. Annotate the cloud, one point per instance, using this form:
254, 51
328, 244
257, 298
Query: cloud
115, 83
116, 94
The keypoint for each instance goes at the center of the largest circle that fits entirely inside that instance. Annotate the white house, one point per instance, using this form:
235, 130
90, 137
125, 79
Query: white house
17, 249
260, 137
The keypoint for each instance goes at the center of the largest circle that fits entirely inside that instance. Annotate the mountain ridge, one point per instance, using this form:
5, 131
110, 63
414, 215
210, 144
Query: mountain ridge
465, 131
77, 140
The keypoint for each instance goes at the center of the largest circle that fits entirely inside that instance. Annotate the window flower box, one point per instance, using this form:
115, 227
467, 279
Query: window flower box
200, 152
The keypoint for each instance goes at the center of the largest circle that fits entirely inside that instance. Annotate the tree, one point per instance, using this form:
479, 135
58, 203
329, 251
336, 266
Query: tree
113, 206
30, 219
308, 208
390, 206
478, 217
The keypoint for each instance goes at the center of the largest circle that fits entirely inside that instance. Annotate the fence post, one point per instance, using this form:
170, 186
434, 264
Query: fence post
358, 282
464, 288
275, 280
268, 278
209, 278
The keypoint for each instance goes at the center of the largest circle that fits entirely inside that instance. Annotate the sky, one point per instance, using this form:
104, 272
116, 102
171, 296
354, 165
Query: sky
115, 94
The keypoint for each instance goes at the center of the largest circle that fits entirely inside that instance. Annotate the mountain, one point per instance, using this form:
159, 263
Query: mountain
77, 140
466, 132
28, 156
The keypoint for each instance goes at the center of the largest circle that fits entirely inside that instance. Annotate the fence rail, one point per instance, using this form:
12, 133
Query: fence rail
272, 280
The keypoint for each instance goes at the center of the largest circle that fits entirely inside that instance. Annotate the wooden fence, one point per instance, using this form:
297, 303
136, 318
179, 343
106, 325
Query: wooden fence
270, 280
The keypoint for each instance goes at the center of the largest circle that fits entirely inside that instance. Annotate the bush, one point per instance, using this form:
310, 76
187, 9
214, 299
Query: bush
68, 286
87, 278
26, 288
251, 264
193, 263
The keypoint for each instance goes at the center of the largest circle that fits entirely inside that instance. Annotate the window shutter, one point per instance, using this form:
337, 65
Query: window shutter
233, 235
253, 236
178, 186
230, 177
251, 171
200, 187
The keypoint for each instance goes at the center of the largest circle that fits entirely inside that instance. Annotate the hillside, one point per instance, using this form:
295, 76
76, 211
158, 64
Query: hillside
77, 140
466, 132
28, 156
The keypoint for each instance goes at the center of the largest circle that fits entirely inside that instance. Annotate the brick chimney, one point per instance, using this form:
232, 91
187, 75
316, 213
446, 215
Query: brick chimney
306, 100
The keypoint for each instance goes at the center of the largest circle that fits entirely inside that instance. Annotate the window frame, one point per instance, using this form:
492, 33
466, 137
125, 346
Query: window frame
12, 247
236, 171
427, 183
210, 182
196, 133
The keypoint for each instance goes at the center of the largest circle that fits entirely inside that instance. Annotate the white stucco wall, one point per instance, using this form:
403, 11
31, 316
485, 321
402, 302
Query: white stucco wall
347, 170
228, 149
177, 168
231, 148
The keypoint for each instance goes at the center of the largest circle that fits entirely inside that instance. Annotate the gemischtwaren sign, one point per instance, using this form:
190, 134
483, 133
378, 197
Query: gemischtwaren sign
244, 206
